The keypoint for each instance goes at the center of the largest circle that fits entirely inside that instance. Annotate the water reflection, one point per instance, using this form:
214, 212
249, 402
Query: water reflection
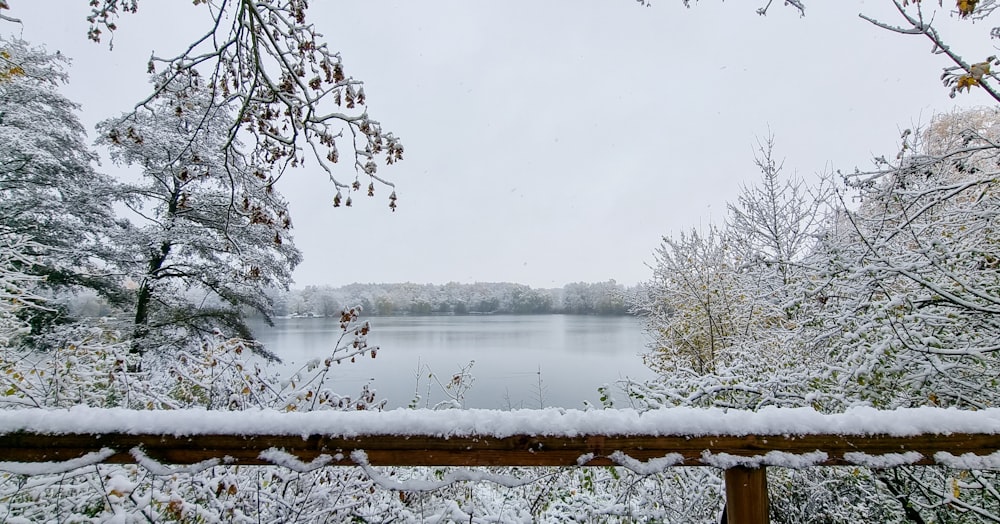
574, 355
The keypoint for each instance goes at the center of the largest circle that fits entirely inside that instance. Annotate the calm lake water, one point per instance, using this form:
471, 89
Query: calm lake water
572, 355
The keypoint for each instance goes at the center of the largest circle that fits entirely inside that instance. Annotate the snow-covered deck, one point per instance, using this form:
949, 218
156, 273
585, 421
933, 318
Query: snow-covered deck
475, 422
681, 436
742, 443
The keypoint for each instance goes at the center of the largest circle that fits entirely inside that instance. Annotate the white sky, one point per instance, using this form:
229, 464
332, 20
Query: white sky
553, 142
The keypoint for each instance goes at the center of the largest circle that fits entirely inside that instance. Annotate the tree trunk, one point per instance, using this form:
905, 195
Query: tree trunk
141, 323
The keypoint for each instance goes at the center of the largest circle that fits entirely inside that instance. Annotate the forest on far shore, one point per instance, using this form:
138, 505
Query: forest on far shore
453, 298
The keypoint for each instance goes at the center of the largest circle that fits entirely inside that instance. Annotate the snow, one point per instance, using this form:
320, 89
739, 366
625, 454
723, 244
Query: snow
290, 461
499, 424
968, 460
650, 467
157, 468
771, 458
455, 475
55, 468
116, 487
887, 460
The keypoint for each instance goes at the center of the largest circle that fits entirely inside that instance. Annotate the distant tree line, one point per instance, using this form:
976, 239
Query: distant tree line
579, 298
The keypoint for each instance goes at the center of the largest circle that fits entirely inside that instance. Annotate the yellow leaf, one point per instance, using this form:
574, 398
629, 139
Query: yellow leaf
966, 7
966, 82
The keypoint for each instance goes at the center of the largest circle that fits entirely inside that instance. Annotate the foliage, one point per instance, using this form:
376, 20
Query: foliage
578, 298
92, 366
922, 280
49, 191
209, 222
597, 298
739, 295
891, 302
840, 495
917, 18
16, 287
691, 291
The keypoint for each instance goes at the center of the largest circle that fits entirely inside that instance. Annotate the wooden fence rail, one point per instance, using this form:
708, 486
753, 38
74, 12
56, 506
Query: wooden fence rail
399, 442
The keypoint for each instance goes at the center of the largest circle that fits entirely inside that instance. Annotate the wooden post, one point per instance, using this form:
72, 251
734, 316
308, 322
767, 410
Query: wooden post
746, 496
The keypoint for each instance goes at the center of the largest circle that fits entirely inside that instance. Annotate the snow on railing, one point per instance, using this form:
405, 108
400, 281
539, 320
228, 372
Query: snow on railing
740, 442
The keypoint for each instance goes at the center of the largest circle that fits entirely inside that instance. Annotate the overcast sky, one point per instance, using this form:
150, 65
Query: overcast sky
558, 141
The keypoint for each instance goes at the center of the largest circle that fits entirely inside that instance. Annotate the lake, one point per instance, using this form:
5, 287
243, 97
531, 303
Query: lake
565, 358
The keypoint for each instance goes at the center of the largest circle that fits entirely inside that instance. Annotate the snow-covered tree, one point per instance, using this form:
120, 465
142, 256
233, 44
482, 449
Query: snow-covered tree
599, 298
211, 232
16, 287
694, 308
49, 191
893, 303
911, 298
731, 315
736, 294
775, 222
922, 275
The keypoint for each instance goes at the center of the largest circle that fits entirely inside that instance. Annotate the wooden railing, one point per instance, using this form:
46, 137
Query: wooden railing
744, 457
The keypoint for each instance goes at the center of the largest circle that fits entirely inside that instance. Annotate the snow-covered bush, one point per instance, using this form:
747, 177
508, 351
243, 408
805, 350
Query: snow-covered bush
16, 287
888, 300
93, 366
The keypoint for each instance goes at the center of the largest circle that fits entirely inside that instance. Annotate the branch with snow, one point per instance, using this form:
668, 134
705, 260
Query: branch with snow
451, 477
